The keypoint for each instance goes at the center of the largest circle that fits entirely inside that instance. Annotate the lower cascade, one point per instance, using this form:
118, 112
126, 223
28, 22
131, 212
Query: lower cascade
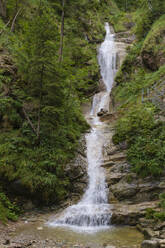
93, 211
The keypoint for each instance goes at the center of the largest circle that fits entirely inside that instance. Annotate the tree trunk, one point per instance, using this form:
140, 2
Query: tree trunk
3, 8
39, 110
62, 31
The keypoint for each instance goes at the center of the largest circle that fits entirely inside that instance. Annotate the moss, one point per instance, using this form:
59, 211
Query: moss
153, 49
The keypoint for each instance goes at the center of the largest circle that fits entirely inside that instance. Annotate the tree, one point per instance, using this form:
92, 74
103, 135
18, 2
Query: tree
3, 8
36, 64
62, 31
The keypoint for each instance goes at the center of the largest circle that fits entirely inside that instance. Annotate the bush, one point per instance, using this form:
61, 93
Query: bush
145, 138
8, 210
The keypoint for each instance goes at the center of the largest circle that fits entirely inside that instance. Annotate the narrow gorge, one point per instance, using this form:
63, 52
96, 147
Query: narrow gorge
88, 222
82, 124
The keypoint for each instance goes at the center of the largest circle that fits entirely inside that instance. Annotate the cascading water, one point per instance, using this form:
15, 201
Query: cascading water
93, 211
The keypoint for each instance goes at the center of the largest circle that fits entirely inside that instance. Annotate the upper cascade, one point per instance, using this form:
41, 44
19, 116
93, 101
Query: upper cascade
107, 58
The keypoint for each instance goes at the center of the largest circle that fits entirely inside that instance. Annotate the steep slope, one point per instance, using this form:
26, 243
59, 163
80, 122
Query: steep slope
48, 68
138, 102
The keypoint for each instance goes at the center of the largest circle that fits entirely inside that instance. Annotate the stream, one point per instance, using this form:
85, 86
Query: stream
88, 223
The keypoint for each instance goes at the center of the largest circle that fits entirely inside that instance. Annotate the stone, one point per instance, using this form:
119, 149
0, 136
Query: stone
113, 178
76, 170
102, 112
39, 228
7, 242
150, 244
160, 226
150, 233
129, 214
162, 242
108, 164
124, 190
110, 246
111, 198
118, 157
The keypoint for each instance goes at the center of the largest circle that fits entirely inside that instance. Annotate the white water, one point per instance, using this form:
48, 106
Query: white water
93, 213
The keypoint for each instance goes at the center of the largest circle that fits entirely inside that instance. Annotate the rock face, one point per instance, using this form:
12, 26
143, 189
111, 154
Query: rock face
129, 195
129, 214
76, 170
150, 244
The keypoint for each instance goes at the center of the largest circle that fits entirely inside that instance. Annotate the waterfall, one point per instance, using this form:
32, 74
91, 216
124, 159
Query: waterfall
93, 211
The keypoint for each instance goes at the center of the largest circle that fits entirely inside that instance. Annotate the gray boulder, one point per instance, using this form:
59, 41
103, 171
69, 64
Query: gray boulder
150, 244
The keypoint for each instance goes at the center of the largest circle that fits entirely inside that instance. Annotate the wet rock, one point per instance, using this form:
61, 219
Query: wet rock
102, 112
111, 198
110, 117
150, 244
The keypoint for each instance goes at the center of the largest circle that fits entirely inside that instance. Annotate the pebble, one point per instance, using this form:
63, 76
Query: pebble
110, 246
40, 228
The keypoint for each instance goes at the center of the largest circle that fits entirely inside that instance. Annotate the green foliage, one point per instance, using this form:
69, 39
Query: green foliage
8, 210
141, 73
159, 216
146, 14
162, 200
127, 4
150, 213
145, 138
154, 44
136, 122
156, 215
40, 114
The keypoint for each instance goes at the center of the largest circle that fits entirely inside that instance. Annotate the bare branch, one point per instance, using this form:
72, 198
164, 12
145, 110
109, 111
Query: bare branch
30, 122
14, 20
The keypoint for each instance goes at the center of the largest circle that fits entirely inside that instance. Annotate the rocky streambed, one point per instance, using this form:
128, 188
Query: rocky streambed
31, 231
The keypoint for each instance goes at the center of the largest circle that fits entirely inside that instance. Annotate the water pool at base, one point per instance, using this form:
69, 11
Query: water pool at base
120, 237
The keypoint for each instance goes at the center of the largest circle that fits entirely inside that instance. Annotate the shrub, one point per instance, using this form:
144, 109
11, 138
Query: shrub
8, 210
145, 138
